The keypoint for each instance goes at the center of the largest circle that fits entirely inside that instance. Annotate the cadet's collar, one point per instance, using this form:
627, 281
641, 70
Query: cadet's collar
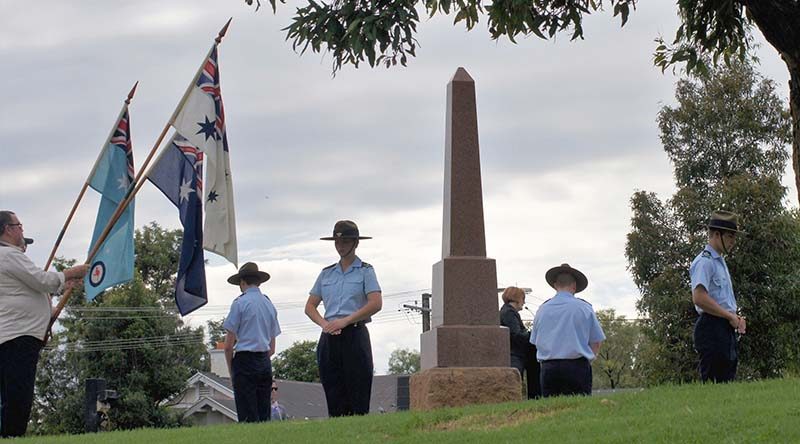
565, 293
356, 264
710, 249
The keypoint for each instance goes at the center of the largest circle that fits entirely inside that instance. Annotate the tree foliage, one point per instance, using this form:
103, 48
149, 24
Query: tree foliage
726, 139
617, 361
383, 32
132, 337
297, 363
216, 333
403, 362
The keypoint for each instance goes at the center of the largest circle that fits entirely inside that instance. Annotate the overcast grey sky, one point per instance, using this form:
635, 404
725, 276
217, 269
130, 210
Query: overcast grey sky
567, 134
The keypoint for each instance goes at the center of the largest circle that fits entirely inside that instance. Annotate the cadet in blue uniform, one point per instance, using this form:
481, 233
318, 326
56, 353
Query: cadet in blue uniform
351, 294
567, 335
252, 326
712, 294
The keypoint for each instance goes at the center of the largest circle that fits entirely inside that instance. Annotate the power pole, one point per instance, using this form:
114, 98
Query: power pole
425, 310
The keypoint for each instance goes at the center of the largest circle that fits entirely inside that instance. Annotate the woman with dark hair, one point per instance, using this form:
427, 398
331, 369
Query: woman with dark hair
523, 353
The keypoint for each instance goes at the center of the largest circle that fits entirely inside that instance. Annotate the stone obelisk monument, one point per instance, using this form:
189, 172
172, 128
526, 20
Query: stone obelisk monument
465, 356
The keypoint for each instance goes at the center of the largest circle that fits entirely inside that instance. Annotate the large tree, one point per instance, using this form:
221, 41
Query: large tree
132, 337
384, 31
726, 139
297, 363
617, 360
403, 361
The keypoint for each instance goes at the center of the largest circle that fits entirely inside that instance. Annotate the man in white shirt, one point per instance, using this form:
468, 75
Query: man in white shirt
25, 310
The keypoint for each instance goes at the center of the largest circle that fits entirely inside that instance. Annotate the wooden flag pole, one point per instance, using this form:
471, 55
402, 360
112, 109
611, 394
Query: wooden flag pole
88, 179
139, 181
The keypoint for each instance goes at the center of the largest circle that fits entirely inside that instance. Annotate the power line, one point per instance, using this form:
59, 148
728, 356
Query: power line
212, 308
189, 337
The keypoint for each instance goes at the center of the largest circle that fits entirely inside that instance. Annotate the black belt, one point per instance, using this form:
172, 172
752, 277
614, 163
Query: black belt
255, 353
567, 360
355, 325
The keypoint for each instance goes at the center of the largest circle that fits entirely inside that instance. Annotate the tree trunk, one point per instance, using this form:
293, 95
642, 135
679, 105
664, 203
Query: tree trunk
779, 22
794, 107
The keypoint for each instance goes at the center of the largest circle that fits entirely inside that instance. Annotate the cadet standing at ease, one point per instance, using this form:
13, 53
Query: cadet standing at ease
712, 293
351, 294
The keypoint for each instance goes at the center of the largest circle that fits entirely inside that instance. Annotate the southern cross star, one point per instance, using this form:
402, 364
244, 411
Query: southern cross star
208, 129
123, 182
186, 188
212, 196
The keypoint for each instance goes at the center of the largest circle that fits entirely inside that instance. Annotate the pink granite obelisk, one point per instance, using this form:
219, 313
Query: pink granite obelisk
465, 355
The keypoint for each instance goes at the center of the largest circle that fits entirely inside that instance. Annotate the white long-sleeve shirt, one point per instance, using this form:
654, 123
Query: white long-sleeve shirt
25, 306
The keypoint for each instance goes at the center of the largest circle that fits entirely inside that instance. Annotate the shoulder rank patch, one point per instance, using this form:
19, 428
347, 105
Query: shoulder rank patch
706, 254
584, 300
330, 266
365, 265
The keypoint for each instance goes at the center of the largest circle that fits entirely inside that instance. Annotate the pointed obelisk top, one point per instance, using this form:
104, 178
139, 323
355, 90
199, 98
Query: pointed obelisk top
462, 75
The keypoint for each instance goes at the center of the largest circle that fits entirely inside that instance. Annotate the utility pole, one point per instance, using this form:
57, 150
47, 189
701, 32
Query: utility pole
425, 310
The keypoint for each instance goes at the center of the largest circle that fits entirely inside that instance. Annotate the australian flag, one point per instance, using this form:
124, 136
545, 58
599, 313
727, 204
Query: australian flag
178, 174
112, 177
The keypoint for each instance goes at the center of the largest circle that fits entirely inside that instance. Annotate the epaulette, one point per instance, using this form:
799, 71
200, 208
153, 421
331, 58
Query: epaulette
330, 266
584, 300
365, 265
546, 301
706, 254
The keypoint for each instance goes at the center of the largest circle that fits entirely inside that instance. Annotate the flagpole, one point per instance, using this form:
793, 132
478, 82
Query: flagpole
89, 178
189, 88
164, 131
139, 181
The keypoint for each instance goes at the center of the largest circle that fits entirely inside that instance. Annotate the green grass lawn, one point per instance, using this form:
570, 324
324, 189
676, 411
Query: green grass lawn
767, 411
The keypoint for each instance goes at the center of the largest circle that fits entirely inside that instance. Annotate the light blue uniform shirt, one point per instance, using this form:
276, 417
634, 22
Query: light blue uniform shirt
254, 321
710, 270
344, 293
563, 328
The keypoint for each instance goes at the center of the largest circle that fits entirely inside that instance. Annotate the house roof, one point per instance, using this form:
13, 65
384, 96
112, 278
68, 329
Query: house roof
224, 406
305, 399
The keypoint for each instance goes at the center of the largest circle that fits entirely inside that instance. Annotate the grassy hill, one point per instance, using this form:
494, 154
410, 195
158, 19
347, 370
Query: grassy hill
767, 411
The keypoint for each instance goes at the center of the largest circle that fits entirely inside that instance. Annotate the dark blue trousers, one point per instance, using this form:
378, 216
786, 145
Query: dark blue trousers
529, 365
18, 359
566, 377
345, 370
252, 385
715, 341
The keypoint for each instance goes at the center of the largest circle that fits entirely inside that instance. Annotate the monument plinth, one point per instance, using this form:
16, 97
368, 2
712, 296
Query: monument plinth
465, 357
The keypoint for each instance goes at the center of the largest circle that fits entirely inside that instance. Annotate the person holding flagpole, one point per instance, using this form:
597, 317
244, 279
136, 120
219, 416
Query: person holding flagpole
350, 291
25, 309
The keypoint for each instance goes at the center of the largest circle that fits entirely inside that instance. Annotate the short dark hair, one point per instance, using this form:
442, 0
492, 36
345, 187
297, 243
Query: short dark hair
249, 280
5, 219
565, 279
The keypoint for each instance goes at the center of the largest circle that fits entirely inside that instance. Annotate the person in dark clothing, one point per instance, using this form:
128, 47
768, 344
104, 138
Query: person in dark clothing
523, 353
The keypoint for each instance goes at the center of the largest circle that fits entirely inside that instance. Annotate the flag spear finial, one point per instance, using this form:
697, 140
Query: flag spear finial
130, 94
223, 31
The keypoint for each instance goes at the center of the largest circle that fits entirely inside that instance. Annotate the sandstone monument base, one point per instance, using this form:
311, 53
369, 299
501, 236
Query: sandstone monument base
460, 386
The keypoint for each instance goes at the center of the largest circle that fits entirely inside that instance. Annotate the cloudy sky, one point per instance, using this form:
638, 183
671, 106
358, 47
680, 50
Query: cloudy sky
567, 134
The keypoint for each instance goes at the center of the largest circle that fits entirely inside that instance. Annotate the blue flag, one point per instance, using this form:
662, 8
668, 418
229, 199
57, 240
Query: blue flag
178, 174
113, 175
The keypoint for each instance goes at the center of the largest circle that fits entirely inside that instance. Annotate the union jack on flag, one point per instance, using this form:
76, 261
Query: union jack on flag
193, 155
122, 140
208, 81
